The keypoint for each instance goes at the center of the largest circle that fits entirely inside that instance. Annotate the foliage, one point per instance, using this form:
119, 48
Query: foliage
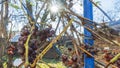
14, 6
98, 2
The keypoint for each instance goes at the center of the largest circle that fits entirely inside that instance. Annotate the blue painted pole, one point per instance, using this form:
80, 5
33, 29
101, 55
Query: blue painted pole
88, 13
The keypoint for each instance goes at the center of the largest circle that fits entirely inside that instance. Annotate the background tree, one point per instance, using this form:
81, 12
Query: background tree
4, 18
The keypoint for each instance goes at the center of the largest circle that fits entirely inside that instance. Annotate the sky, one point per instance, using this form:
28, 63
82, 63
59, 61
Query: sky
106, 6
98, 16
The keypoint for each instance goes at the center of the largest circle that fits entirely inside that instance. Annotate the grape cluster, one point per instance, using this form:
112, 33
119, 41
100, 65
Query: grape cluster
69, 49
33, 46
108, 56
10, 50
71, 59
70, 62
43, 34
64, 58
37, 36
20, 45
111, 54
118, 63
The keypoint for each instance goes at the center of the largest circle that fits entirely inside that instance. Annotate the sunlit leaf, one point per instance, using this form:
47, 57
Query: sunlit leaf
98, 2
31, 3
4, 65
44, 17
14, 6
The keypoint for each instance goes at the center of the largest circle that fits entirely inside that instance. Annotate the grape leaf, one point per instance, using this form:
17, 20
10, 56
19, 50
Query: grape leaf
98, 2
14, 6
31, 3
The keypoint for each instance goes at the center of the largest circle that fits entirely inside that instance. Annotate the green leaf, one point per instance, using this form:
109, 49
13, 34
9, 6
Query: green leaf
31, 3
14, 6
44, 17
98, 2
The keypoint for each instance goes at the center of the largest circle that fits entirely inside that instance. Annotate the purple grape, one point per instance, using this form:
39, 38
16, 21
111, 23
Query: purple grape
52, 31
69, 49
30, 59
33, 41
21, 38
38, 33
26, 32
22, 34
20, 43
35, 28
30, 50
64, 58
42, 38
74, 58
34, 47
24, 38
49, 35
47, 30
33, 56
20, 50
34, 53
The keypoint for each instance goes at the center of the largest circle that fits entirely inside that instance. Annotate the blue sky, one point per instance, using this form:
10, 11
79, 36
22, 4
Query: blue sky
98, 16
109, 7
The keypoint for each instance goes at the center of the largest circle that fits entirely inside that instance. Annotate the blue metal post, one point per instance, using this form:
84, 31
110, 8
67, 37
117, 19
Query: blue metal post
88, 13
